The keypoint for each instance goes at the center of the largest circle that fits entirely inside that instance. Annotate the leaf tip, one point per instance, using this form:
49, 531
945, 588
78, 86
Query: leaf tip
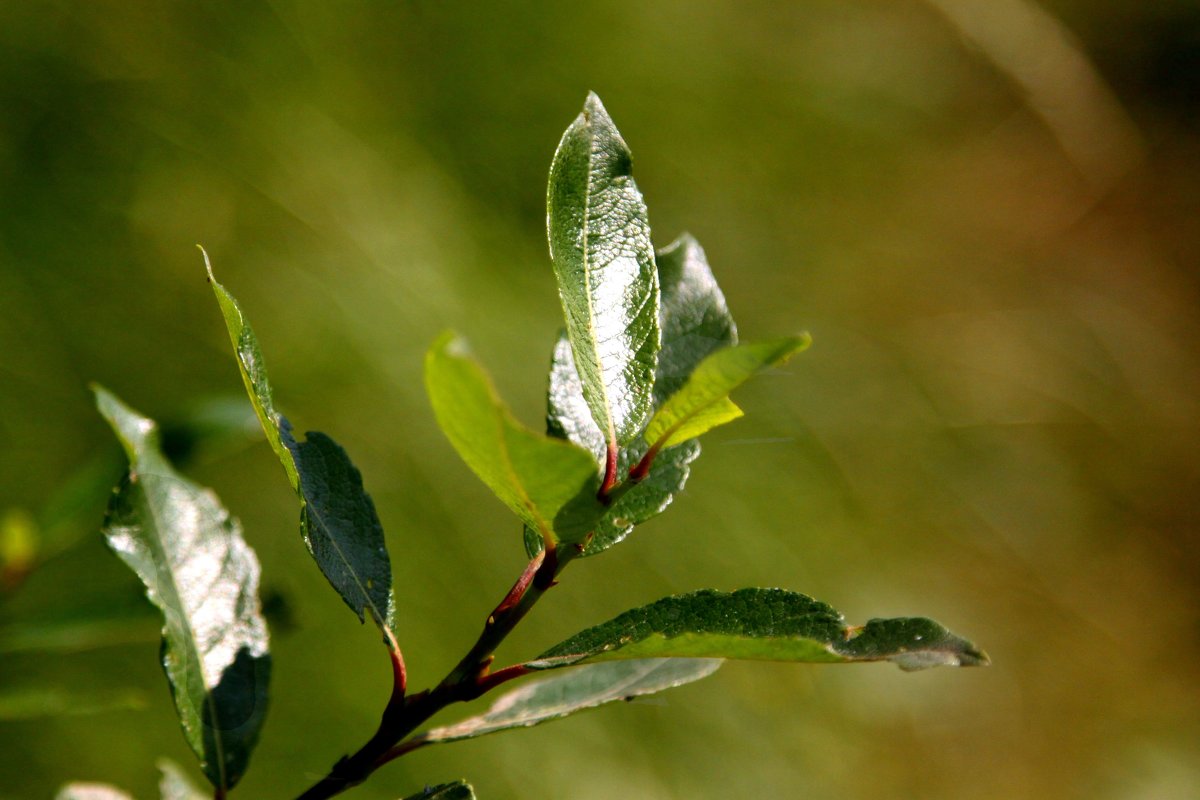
207, 263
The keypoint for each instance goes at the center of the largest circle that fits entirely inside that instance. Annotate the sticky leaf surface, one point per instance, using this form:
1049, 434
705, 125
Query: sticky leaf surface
197, 569
760, 624
600, 246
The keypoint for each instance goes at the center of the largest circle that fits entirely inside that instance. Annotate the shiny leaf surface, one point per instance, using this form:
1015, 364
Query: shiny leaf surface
604, 262
197, 569
459, 790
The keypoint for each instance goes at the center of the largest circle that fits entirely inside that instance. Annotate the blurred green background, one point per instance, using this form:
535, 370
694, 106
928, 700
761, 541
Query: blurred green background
983, 210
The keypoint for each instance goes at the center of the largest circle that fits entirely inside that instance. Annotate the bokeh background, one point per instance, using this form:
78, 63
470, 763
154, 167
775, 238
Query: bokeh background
983, 210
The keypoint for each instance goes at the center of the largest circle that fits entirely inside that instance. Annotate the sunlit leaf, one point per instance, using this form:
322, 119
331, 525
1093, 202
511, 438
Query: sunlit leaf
459, 790
200, 573
764, 625
600, 245
550, 484
577, 690
695, 322
337, 518
702, 403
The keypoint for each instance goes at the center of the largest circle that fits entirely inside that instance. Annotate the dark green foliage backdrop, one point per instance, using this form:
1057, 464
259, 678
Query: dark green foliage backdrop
980, 211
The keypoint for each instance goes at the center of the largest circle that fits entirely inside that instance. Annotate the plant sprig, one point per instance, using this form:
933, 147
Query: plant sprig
646, 365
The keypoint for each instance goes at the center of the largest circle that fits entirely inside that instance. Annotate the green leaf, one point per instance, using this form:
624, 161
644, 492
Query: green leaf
174, 783
254, 372
577, 690
200, 573
340, 526
459, 790
703, 403
760, 624
550, 484
337, 517
91, 791
604, 262
695, 322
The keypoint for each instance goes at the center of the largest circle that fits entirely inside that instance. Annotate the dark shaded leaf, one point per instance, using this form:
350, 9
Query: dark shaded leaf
337, 517
604, 262
760, 624
200, 573
550, 484
577, 690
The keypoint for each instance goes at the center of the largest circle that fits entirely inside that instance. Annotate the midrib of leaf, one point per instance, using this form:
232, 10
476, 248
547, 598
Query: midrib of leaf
587, 281
209, 700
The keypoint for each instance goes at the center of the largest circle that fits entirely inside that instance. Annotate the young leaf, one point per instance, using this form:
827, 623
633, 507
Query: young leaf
550, 484
200, 573
337, 517
764, 625
703, 402
579, 689
600, 245
695, 322
91, 791
459, 790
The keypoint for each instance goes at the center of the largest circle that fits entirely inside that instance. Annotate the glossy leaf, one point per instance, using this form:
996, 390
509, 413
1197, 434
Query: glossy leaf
703, 401
604, 262
337, 517
694, 317
695, 322
174, 784
459, 790
200, 573
91, 791
550, 484
577, 690
761, 624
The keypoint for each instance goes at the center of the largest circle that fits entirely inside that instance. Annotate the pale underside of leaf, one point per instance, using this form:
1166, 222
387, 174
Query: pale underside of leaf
550, 484
577, 690
200, 573
339, 524
760, 624
604, 263
173, 783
